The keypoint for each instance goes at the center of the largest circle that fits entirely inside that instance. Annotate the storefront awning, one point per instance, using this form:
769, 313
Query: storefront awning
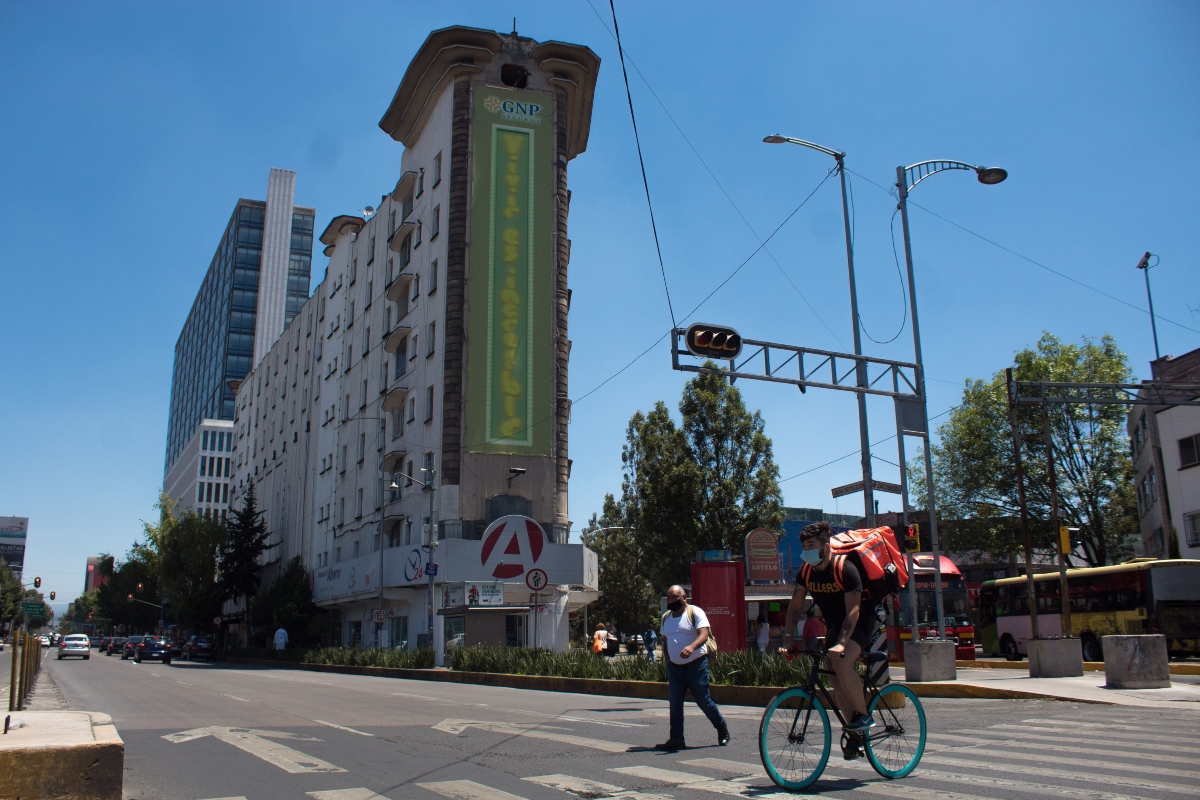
454, 611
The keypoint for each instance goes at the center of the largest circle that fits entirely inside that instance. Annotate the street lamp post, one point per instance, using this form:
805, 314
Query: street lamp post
861, 368
1144, 265
906, 179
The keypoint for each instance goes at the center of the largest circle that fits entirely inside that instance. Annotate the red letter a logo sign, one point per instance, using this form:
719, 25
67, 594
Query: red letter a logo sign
512, 545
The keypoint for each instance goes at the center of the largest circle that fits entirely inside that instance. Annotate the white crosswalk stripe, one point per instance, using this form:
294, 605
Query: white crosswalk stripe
726, 765
1113, 780
1107, 726
1042, 758
659, 774
467, 790
1006, 785
690, 780
1136, 745
346, 794
1059, 748
894, 789
1110, 734
582, 787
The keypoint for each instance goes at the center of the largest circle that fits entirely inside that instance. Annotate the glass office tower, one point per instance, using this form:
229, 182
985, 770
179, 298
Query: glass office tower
256, 283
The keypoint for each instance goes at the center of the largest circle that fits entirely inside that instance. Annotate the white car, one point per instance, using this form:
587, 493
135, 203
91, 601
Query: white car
45, 640
76, 644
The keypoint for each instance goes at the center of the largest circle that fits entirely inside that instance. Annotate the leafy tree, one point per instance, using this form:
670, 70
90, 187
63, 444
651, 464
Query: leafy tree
113, 597
10, 595
41, 620
627, 598
287, 603
700, 485
246, 539
84, 607
188, 569
975, 474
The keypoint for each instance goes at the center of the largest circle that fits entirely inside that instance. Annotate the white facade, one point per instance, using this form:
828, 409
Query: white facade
1179, 432
200, 478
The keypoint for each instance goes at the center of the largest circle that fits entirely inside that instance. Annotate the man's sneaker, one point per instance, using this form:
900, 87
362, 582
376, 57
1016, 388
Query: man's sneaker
860, 722
671, 745
723, 735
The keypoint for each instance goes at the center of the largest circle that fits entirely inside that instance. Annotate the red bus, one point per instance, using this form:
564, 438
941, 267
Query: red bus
956, 606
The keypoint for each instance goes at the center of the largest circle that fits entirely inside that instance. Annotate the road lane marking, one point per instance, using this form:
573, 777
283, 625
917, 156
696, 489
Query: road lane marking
1057, 748
1070, 723
892, 789
1113, 780
418, 696
522, 711
235, 697
582, 787
343, 728
1109, 734
1037, 737
457, 726
252, 742
468, 790
739, 789
725, 765
239, 797
660, 775
1042, 758
346, 794
1007, 784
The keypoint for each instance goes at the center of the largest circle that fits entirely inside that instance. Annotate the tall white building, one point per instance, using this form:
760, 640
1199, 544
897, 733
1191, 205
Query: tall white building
421, 392
199, 480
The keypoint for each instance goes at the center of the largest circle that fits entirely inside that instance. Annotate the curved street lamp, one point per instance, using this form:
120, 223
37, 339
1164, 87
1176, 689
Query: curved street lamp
860, 369
906, 179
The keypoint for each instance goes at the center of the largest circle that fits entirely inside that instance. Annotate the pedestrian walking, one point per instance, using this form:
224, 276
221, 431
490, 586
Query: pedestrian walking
600, 640
687, 636
763, 636
281, 640
650, 640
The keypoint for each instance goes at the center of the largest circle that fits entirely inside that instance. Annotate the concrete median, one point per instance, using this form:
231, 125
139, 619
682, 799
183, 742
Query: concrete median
61, 755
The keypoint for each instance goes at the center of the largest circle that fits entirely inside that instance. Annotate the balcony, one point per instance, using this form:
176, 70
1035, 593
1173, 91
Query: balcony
395, 336
404, 186
396, 240
393, 456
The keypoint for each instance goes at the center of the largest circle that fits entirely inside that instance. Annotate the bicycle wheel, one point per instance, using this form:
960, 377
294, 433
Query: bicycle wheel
897, 742
794, 738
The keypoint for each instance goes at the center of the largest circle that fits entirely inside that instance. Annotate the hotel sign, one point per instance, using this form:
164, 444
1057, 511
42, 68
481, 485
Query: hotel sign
510, 355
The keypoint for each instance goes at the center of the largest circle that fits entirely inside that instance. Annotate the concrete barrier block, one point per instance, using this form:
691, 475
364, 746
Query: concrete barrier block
1055, 658
1136, 662
929, 660
64, 755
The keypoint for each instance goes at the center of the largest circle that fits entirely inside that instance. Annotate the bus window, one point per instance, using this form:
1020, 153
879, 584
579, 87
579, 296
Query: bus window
987, 605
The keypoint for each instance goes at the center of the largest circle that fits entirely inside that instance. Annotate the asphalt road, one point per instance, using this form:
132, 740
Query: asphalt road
190, 734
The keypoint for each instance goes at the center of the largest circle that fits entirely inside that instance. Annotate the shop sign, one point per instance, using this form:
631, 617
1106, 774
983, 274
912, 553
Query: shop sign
762, 555
473, 593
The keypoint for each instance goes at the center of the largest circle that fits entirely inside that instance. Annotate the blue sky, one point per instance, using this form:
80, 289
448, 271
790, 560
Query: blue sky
130, 129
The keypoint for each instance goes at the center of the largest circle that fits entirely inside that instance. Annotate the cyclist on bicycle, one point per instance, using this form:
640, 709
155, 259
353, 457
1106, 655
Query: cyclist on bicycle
836, 588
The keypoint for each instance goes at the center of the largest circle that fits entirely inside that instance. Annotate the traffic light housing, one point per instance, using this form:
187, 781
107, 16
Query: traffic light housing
37, 583
1064, 540
912, 538
713, 341
52, 595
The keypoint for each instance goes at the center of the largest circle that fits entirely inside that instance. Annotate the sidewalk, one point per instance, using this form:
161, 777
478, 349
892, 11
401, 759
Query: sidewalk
1183, 694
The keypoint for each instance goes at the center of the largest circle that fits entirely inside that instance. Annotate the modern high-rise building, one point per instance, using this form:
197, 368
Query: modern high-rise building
200, 477
419, 401
257, 281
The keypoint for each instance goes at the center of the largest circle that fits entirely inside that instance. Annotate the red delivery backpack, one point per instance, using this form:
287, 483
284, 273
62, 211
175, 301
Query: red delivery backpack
876, 556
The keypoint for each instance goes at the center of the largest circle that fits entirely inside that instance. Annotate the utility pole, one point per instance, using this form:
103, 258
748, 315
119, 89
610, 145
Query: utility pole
864, 439
1025, 538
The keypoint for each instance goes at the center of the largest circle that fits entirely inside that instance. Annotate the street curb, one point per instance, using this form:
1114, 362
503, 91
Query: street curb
80, 770
1088, 666
757, 696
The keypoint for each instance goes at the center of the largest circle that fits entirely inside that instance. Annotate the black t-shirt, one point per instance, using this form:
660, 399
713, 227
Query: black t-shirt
826, 594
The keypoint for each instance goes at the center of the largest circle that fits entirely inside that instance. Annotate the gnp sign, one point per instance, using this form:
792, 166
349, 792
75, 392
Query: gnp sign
13, 531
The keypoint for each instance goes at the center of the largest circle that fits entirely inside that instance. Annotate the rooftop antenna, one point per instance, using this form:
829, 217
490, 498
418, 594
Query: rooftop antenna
514, 26
368, 212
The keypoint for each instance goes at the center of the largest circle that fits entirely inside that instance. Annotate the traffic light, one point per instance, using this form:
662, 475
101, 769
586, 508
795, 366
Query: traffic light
139, 588
912, 538
37, 583
1064, 540
52, 595
713, 341
130, 596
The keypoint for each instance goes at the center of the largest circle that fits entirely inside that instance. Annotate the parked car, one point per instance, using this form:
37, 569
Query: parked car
102, 643
45, 640
153, 647
200, 647
75, 644
115, 645
130, 647
176, 648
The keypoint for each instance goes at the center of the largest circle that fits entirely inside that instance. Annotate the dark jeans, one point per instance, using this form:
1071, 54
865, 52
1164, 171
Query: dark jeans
694, 676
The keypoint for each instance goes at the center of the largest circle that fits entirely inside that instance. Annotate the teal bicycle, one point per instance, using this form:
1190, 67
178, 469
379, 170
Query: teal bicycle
795, 736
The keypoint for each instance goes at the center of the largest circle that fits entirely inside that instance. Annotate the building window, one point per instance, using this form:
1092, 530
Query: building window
353, 271
362, 447
359, 507
435, 225
1189, 451
401, 363
430, 339
371, 252
408, 531
391, 230
344, 456
417, 234
429, 404
412, 410
366, 348
420, 183
408, 481
1191, 528
416, 288
199, 492
203, 464
437, 169
362, 395
413, 351
433, 276
204, 440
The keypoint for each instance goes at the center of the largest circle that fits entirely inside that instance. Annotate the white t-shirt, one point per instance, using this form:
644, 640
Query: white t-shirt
764, 634
679, 632
281, 638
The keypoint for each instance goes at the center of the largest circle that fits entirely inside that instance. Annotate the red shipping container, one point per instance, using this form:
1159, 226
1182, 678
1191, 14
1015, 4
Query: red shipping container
719, 589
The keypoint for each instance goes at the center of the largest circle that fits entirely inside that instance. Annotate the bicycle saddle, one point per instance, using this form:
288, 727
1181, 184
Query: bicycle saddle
874, 657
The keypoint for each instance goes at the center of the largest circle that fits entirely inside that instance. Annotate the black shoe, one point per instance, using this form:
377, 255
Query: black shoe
671, 746
723, 735
852, 747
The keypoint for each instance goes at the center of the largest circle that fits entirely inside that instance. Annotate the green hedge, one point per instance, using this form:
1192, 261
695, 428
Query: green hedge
726, 668
421, 658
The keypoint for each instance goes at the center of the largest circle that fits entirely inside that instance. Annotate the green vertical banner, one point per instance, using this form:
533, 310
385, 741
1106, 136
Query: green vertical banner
510, 355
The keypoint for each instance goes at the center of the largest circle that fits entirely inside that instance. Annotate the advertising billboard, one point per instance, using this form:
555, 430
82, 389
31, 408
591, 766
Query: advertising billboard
510, 355
13, 531
762, 555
